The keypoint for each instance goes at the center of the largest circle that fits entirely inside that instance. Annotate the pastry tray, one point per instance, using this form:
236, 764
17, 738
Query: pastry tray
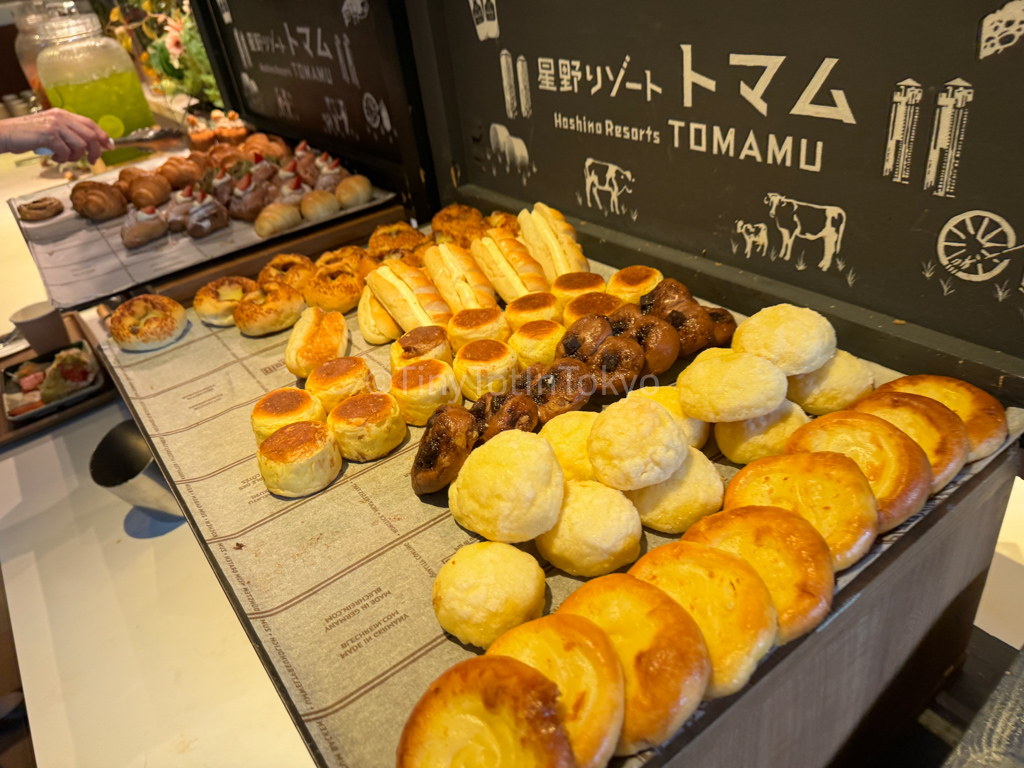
10, 386
81, 261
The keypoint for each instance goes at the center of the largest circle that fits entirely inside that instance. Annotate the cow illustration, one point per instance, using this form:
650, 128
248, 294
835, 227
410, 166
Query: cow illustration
606, 177
808, 222
755, 237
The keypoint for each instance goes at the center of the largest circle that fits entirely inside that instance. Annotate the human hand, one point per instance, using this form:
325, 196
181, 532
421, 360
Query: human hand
67, 135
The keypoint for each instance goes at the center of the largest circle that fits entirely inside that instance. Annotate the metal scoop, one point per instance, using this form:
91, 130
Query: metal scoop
154, 139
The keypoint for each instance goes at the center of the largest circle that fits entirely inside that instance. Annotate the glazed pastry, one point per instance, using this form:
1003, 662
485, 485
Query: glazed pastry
672, 302
147, 322
215, 302
551, 240
180, 172
40, 210
657, 338
496, 412
614, 362
450, 434
458, 224
263, 171
508, 265
392, 237
201, 137
318, 204
723, 328
142, 226
353, 191
248, 200
292, 269
207, 216
565, 385
98, 202
330, 176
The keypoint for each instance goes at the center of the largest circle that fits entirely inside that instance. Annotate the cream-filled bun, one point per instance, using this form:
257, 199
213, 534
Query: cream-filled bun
428, 342
796, 340
215, 302
299, 459
568, 286
281, 407
317, 337
840, 382
509, 489
590, 304
473, 324
147, 322
508, 265
630, 283
532, 306
635, 443
367, 426
690, 493
421, 387
696, 431
577, 656
535, 342
271, 308
483, 366
339, 379
568, 433
375, 324
486, 589
742, 442
583, 543
730, 386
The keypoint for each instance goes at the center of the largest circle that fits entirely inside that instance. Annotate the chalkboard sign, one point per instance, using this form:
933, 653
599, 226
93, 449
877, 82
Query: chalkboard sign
867, 151
333, 72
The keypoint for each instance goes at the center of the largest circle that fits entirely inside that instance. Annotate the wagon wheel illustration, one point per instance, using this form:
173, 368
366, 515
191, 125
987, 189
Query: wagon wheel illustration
976, 245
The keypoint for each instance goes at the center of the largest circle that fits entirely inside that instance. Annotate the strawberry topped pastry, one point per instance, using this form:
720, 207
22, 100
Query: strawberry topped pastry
142, 226
330, 176
293, 191
247, 199
263, 170
222, 186
177, 215
207, 215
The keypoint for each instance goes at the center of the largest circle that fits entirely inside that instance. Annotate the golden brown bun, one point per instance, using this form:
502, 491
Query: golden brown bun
271, 308
568, 433
630, 283
339, 379
826, 489
895, 466
473, 324
532, 306
663, 656
635, 443
508, 265
930, 424
367, 426
694, 490
292, 269
458, 279
483, 366
475, 708
276, 218
299, 459
577, 656
393, 237
836, 385
408, 295
147, 322
459, 224
589, 304
981, 413
319, 204
551, 241
215, 302
535, 342
375, 324
149, 189
421, 387
721, 385
428, 342
742, 442
572, 284
335, 287
788, 554
281, 407
317, 337
727, 599
796, 339
353, 190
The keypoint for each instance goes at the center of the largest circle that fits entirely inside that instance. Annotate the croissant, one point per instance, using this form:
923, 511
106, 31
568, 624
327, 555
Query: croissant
202, 159
97, 201
277, 218
225, 156
149, 189
180, 172
126, 177
268, 146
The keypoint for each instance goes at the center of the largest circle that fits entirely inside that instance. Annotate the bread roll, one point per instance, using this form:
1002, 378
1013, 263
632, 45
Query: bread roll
836, 385
584, 544
663, 656
895, 466
551, 241
367, 426
696, 431
532, 306
473, 324
394, 237
458, 279
635, 443
215, 302
428, 342
271, 308
510, 489
353, 190
421, 387
930, 424
788, 554
572, 284
299, 459
375, 324
483, 366
730, 386
459, 224
535, 342
408, 296
277, 218
474, 707
281, 407
339, 379
694, 490
577, 656
319, 204
589, 304
630, 283
727, 599
317, 337
796, 339
827, 489
568, 433
508, 265
981, 413
147, 322
485, 590
335, 287
292, 269
742, 442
